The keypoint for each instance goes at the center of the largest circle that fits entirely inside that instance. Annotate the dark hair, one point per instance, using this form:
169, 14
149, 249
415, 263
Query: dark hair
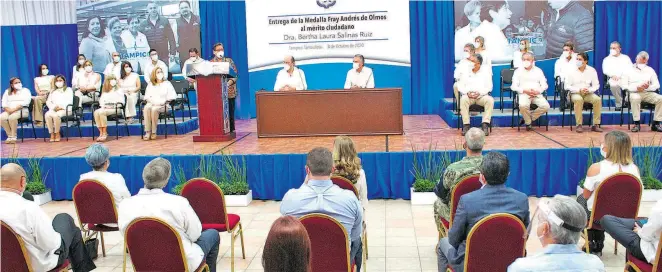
319, 161
217, 44
569, 44
193, 50
490, 5
358, 56
78, 65
479, 58
184, 1
287, 248
102, 30
293, 60
152, 50
11, 84
583, 55
41, 66
123, 74
495, 168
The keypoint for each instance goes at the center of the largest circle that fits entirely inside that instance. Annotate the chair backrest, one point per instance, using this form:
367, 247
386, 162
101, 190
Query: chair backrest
507, 76
494, 243
329, 243
465, 186
207, 200
14, 256
180, 85
154, 246
94, 203
618, 195
345, 183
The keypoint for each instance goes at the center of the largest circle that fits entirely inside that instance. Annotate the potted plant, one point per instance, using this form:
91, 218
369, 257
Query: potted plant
427, 173
649, 160
234, 182
180, 177
35, 182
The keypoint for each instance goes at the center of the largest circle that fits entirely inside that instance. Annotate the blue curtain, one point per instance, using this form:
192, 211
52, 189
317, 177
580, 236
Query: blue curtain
225, 22
635, 24
431, 33
25, 47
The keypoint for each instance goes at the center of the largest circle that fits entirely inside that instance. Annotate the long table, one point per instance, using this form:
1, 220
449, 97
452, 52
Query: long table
329, 112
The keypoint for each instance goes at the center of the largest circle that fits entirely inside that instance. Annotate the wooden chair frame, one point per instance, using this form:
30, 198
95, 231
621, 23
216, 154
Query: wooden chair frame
347, 245
84, 227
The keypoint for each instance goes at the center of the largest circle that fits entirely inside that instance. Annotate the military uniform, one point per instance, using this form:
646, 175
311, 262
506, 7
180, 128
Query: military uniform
453, 174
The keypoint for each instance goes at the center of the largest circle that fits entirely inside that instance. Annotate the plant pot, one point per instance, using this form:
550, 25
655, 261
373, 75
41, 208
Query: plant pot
239, 200
422, 198
42, 199
648, 195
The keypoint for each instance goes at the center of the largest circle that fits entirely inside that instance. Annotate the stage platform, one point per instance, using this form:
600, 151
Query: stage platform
542, 162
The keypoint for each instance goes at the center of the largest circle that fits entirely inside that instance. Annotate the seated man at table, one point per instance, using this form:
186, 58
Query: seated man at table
290, 78
359, 76
475, 86
493, 198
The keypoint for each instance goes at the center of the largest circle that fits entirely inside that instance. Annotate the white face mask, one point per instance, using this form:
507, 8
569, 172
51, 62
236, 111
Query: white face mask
113, 83
159, 76
527, 63
602, 151
59, 84
44, 72
127, 70
579, 64
154, 57
18, 86
476, 44
565, 54
286, 66
466, 55
355, 65
116, 59
613, 52
80, 62
220, 54
641, 65
88, 69
522, 47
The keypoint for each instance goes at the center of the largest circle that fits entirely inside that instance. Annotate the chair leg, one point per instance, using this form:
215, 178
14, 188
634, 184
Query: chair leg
67, 130
174, 121
34, 132
103, 246
124, 254
232, 250
615, 247
22, 132
587, 248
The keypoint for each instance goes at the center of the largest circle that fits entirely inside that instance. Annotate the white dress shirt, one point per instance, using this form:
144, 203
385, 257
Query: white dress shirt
650, 233
22, 97
172, 209
487, 61
297, 79
463, 66
34, 226
147, 72
636, 77
110, 99
60, 97
578, 80
113, 181
471, 81
533, 79
158, 95
113, 68
616, 66
563, 66
363, 79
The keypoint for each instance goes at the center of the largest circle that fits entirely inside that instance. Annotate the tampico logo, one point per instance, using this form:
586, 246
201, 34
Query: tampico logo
326, 3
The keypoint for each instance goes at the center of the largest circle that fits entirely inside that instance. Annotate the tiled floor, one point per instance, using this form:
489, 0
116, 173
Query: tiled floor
402, 237
421, 131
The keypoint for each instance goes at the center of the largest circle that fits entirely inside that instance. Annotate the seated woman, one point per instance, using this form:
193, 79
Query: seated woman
57, 102
287, 248
157, 95
88, 83
617, 151
43, 85
14, 101
130, 86
348, 165
108, 103
97, 156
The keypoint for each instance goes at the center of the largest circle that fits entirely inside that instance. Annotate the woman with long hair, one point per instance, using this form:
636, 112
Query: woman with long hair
14, 99
347, 164
111, 95
77, 70
524, 46
479, 43
60, 98
93, 44
43, 84
130, 86
157, 95
287, 248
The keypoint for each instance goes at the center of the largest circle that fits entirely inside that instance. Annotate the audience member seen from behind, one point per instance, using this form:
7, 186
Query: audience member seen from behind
287, 248
98, 157
109, 104
457, 171
59, 101
319, 195
14, 101
617, 152
347, 164
175, 210
493, 198
641, 238
560, 221
157, 95
48, 243
43, 85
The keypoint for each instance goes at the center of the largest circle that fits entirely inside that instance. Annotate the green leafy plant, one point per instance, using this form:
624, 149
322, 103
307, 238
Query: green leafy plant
209, 168
233, 180
428, 171
180, 177
592, 157
35, 177
649, 160
424, 185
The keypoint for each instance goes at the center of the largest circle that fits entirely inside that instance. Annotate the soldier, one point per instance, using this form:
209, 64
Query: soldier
474, 141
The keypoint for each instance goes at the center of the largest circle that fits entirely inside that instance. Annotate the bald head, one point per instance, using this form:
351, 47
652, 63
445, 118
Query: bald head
12, 175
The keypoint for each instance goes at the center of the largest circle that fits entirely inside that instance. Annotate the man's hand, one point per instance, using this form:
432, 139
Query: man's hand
473, 95
354, 87
190, 80
641, 88
636, 228
57, 108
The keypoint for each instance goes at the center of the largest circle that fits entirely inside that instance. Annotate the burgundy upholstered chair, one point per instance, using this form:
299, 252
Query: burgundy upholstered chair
95, 206
155, 246
618, 195
465, 186
346, 184
643, 266
329, 243
15, 256
208, 202
494, 243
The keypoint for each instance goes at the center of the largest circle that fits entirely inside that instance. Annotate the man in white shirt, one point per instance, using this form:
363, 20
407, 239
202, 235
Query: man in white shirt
566, 62
154, 62
359, 76
463, 66
615, 66
175, 210
641, 81
48, 243
582, 84
290, 78
114, 66
193, 57
98, 157
530, 83
641, 240
475, 87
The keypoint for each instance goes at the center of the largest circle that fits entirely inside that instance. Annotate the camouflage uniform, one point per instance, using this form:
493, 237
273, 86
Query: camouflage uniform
453, 174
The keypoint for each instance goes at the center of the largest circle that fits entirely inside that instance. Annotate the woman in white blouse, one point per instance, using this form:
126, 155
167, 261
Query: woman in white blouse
479, 43
130, 86
524, 46
88, 84
157, 96
43, 85
110, 97
13, 100
347, 164
58, 101
77, 70
617, 151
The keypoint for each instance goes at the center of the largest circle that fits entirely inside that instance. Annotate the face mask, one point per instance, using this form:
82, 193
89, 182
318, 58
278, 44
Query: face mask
466, 55
522, 47
18, 86
116, 59
220, 54
579, 64
355, 65
476, 44
88, 69
641, 65
527, 63
80, 62
154, 58
159, 76
286, 66
44, 72
602, 151
113, 83
127, 70
59, 84
613, 52
565, 54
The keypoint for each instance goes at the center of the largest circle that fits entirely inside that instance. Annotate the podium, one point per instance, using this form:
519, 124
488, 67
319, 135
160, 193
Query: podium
213, 109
